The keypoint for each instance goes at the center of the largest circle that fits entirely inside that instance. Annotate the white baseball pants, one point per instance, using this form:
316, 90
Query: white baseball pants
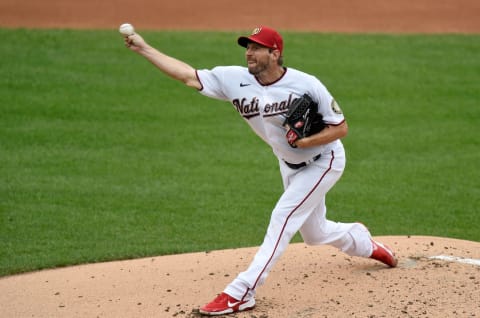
302, 208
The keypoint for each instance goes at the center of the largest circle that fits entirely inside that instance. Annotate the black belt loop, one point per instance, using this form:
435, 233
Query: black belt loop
296, 166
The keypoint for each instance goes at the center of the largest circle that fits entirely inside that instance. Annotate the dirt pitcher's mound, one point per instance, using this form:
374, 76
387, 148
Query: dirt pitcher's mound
436, 277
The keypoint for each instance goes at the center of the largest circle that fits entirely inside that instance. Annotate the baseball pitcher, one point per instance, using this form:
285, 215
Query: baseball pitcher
295, 114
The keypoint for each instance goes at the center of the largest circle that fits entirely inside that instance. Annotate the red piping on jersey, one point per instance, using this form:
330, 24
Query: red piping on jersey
336, 124
286, 221
198, 78
275, 81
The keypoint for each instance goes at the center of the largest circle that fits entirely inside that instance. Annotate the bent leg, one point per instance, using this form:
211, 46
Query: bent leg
306, 188
351, 238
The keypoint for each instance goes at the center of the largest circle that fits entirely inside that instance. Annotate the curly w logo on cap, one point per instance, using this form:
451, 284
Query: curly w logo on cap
265, 36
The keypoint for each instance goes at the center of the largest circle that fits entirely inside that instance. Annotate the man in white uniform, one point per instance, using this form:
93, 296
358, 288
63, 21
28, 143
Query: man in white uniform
262, 93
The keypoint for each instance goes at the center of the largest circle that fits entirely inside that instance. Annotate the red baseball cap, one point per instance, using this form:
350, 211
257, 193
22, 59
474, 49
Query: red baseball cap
265, 36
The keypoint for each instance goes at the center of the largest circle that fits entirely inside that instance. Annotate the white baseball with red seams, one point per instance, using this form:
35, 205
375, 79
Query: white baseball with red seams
302, 205
126, 29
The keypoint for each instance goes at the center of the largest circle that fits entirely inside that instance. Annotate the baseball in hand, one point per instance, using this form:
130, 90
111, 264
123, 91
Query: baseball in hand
126, 29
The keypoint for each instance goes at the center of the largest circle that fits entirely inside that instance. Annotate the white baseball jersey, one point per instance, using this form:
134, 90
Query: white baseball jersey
263, 106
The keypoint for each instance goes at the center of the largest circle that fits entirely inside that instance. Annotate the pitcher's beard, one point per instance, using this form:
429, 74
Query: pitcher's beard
256, 69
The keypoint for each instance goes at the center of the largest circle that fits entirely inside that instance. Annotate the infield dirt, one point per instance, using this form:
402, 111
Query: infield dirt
408, 16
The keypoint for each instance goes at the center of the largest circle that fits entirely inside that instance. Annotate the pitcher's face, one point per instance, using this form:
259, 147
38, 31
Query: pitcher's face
259, 58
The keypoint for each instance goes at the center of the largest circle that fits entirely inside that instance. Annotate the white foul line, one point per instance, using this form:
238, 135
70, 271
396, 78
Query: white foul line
447, 258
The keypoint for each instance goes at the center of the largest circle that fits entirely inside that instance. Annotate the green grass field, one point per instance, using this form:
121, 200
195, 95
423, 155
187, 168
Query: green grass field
103, 157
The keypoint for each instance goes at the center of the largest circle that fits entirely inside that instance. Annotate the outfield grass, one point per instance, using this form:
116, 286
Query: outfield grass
103, 157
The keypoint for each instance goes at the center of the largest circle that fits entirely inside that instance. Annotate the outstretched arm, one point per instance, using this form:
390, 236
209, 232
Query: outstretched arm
172, 67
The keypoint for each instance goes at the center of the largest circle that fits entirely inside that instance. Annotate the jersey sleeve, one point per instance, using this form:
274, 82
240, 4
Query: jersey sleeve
328, 107
212, 82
